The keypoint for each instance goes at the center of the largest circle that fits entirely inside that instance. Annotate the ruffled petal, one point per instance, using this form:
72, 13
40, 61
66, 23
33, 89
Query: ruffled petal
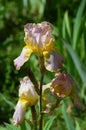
24, 56
27, 92
52, 60
19, 113
27, 97
39, 35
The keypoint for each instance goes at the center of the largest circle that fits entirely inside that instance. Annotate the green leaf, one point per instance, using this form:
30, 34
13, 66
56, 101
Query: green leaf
49, 123
77, 125
67, 118
66, 24
79, 66
2, 128
64, 29
38, 5
25, 3
6, 100
77, 23
12, 127
25, 126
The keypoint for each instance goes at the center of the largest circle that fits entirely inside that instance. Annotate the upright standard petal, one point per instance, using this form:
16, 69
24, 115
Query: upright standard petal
19, 112
39, 36
27, 92
24, 56
62, 85
52, 60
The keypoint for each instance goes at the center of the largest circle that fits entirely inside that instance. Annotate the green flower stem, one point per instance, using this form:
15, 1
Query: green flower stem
41, 114
34, 117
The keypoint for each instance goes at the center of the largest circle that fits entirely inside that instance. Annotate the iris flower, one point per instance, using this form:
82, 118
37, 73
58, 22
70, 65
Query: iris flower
27, 97
62, 85
39, 40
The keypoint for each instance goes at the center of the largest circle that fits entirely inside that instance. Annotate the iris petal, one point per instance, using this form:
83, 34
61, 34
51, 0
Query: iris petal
53, 61
27, 97
39, 35
24, 56
19, 112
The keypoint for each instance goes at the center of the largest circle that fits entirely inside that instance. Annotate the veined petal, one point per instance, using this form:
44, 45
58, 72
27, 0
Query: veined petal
39, 35
19, 113
24, 56
27, 92
52, 60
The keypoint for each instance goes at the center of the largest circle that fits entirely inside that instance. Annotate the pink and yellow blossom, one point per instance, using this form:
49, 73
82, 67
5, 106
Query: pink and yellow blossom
27, 97
62, 85
39, 40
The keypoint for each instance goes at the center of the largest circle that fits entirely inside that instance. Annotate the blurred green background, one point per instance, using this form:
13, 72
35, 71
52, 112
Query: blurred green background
69, 23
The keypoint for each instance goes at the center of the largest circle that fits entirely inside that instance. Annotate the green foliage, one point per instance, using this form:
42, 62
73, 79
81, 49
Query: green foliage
77, 23
77, 62
11, 127
67, 118
77, 126
2, 128
49, 123
25, 126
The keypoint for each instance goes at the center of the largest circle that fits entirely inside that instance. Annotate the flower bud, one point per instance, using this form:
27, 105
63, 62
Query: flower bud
62, 85
27, 97
27, 92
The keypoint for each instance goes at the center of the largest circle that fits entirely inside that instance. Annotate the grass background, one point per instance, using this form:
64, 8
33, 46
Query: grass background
69, 23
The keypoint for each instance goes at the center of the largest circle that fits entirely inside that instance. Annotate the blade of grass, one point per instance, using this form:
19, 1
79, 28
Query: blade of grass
64, 29
67, 118
6, 100
25, 3
2, 128
79, 66
12, 127
25, 126
77, 23
77, 125
49, 123
67, 24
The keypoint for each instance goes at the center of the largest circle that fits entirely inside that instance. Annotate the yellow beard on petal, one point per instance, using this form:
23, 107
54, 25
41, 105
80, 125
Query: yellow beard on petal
28, 100
39, 49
